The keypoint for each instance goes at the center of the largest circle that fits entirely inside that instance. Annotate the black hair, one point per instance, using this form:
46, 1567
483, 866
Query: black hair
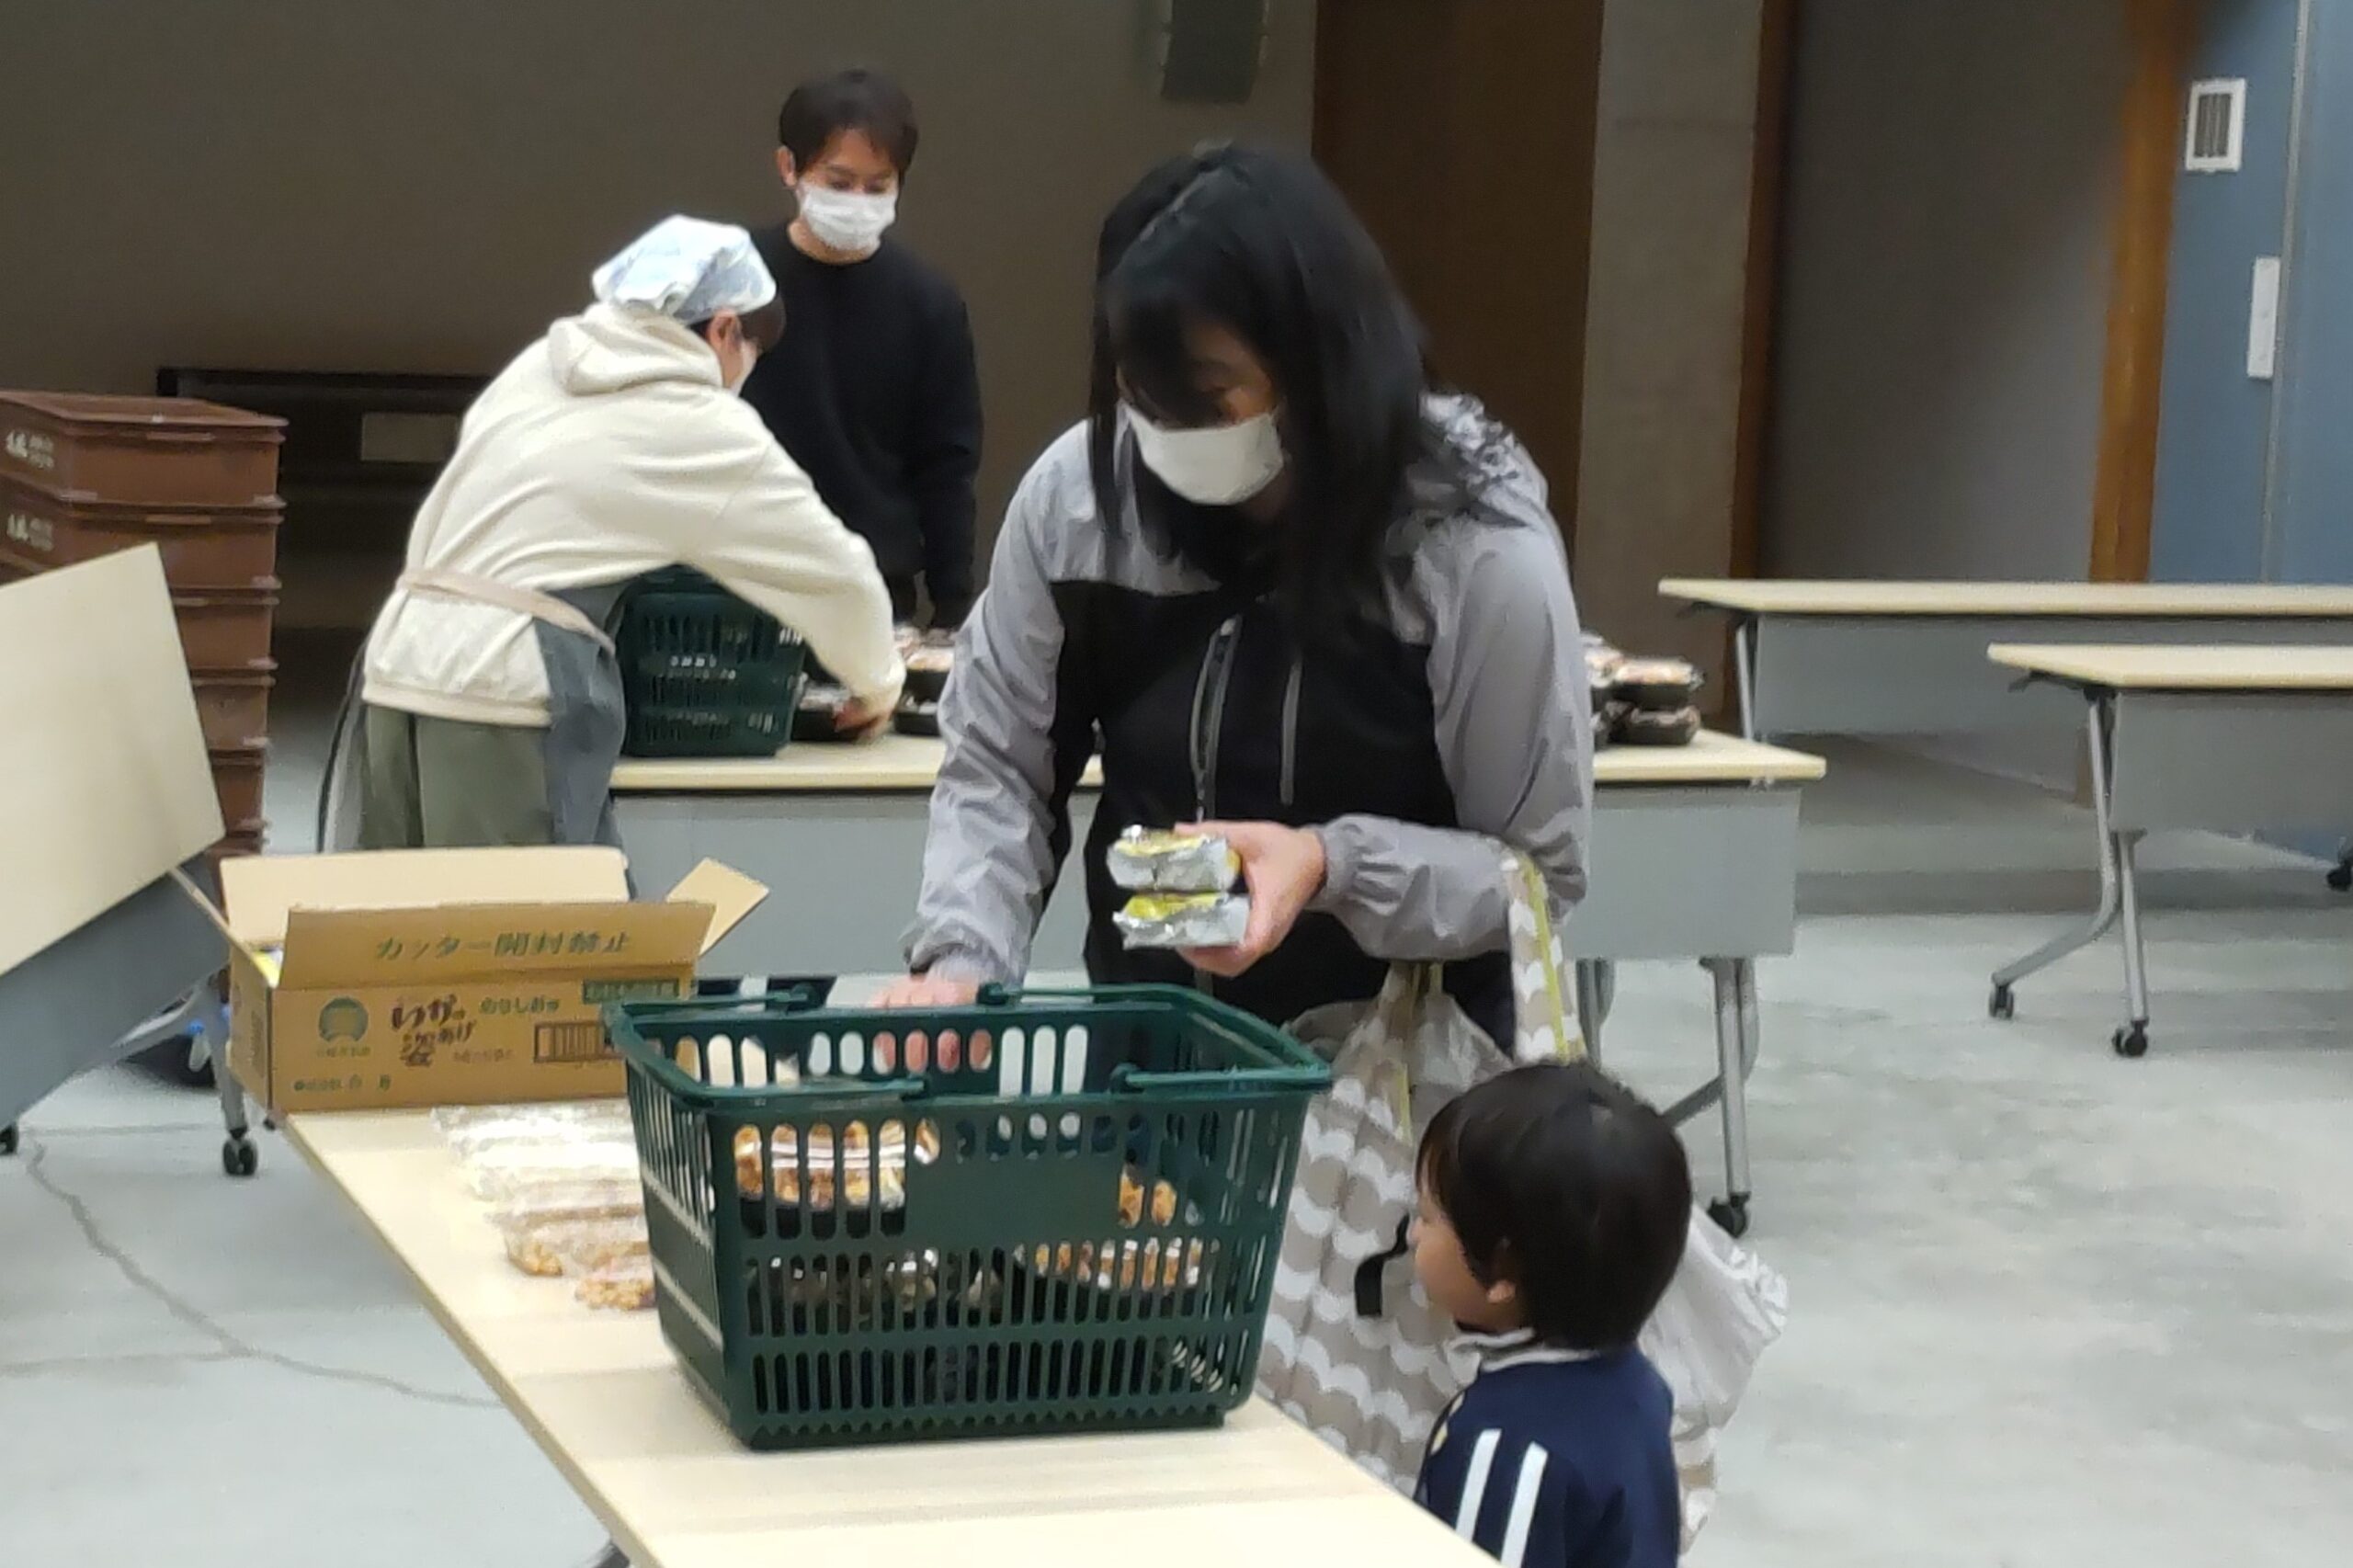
1566, 1183
763, 327
1260, 242
860, 100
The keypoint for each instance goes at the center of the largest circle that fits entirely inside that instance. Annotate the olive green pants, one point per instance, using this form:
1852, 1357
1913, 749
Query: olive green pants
442, 784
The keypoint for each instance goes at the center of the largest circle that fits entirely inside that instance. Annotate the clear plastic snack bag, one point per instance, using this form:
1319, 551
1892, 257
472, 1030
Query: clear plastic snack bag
624, 1286
572, 1245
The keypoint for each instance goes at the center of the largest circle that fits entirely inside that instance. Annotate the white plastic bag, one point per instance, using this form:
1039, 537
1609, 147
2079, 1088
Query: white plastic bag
1373, 1387
1721, 1310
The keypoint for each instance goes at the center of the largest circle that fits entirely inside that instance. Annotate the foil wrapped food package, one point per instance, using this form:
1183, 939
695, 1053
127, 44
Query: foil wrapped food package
1154, 860
1164, 920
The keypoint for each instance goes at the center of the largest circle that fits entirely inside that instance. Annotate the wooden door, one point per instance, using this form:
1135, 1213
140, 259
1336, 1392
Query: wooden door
1462, 132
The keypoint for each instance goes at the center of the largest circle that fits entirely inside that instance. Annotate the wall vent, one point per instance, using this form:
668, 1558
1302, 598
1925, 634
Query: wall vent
2217, 126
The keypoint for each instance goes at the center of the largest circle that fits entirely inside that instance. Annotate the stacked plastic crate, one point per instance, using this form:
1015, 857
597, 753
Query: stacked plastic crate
82, 476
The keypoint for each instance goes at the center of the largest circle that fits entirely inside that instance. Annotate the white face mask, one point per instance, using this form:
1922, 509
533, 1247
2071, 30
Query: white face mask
849, 220
1218, 466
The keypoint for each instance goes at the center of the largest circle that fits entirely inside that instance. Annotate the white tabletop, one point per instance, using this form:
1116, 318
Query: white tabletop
2022, 600
602, 1397
894, 764
2146, 667
898, 764
1710, 758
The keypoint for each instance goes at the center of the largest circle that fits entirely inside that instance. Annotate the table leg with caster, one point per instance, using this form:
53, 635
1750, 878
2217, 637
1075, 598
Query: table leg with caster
1735, 1053
2004, 1002
1596, 989
2132, 1039
239, 1156
1744, 665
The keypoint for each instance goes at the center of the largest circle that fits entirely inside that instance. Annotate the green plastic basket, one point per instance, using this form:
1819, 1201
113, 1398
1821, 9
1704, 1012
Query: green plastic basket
1079, 1233
703, 672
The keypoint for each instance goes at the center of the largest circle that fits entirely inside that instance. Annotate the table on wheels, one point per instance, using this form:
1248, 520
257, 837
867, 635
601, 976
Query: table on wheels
1694, 858
2188, 737
141, 974
836, 830
1865, 658
106, 807
602, 1395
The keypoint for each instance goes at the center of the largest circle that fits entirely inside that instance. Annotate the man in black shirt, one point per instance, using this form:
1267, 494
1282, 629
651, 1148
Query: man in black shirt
873, 389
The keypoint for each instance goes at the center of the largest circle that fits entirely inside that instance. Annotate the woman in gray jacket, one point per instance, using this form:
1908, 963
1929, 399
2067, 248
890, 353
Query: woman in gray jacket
1279, 583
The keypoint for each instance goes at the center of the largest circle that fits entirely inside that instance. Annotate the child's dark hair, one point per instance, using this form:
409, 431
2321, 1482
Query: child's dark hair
864, 101
1564, 1181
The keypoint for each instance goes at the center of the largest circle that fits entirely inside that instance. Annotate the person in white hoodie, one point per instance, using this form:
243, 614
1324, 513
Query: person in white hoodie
613, 447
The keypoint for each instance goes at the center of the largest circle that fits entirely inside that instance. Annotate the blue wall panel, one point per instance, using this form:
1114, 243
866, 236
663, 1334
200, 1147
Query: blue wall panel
2214, 429
2312, 498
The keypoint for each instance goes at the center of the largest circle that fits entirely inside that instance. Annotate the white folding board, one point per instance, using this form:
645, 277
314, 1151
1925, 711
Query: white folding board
104, 781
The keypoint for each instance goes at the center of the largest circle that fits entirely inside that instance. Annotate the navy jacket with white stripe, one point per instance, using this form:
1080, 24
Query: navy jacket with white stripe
1554, 1459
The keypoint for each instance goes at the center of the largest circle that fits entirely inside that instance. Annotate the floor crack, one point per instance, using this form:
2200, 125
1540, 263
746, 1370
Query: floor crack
13, 1371
229, 1346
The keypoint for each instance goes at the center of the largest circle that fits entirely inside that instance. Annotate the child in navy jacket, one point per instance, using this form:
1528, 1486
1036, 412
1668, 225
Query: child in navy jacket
1553, 1212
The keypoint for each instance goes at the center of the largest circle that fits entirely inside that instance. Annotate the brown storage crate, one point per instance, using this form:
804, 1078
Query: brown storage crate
226, 634
234, 710
236, 776
247, 840
211, 547
223, 633
139, 451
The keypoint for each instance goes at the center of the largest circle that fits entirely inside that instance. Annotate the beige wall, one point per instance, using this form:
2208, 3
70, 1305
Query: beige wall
1944, 286
1946, 251
1673, 150
422, 185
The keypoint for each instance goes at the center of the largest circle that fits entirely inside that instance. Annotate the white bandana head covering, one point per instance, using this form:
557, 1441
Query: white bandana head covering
688, 269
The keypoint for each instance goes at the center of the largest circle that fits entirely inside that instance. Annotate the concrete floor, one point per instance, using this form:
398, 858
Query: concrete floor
2049, 1307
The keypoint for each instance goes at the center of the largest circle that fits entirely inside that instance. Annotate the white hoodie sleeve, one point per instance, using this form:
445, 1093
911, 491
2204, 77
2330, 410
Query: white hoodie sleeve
776, 545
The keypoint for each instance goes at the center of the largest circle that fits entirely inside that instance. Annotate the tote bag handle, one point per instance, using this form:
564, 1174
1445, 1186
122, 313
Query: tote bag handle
1544, 1003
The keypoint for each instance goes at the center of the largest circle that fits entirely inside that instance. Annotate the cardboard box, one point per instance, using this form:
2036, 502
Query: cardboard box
450, 977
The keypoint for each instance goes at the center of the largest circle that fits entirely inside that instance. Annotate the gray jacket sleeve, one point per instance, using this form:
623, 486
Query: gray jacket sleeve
1515, 733
988, 861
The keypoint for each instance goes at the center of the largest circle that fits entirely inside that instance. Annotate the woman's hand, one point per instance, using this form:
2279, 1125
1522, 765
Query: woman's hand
923, 990
1284, 868
861, 720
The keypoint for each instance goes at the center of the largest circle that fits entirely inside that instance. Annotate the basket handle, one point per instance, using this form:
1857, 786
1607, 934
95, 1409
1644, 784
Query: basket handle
1136, 1081
785, 1099
834, 1092
1287, 1061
